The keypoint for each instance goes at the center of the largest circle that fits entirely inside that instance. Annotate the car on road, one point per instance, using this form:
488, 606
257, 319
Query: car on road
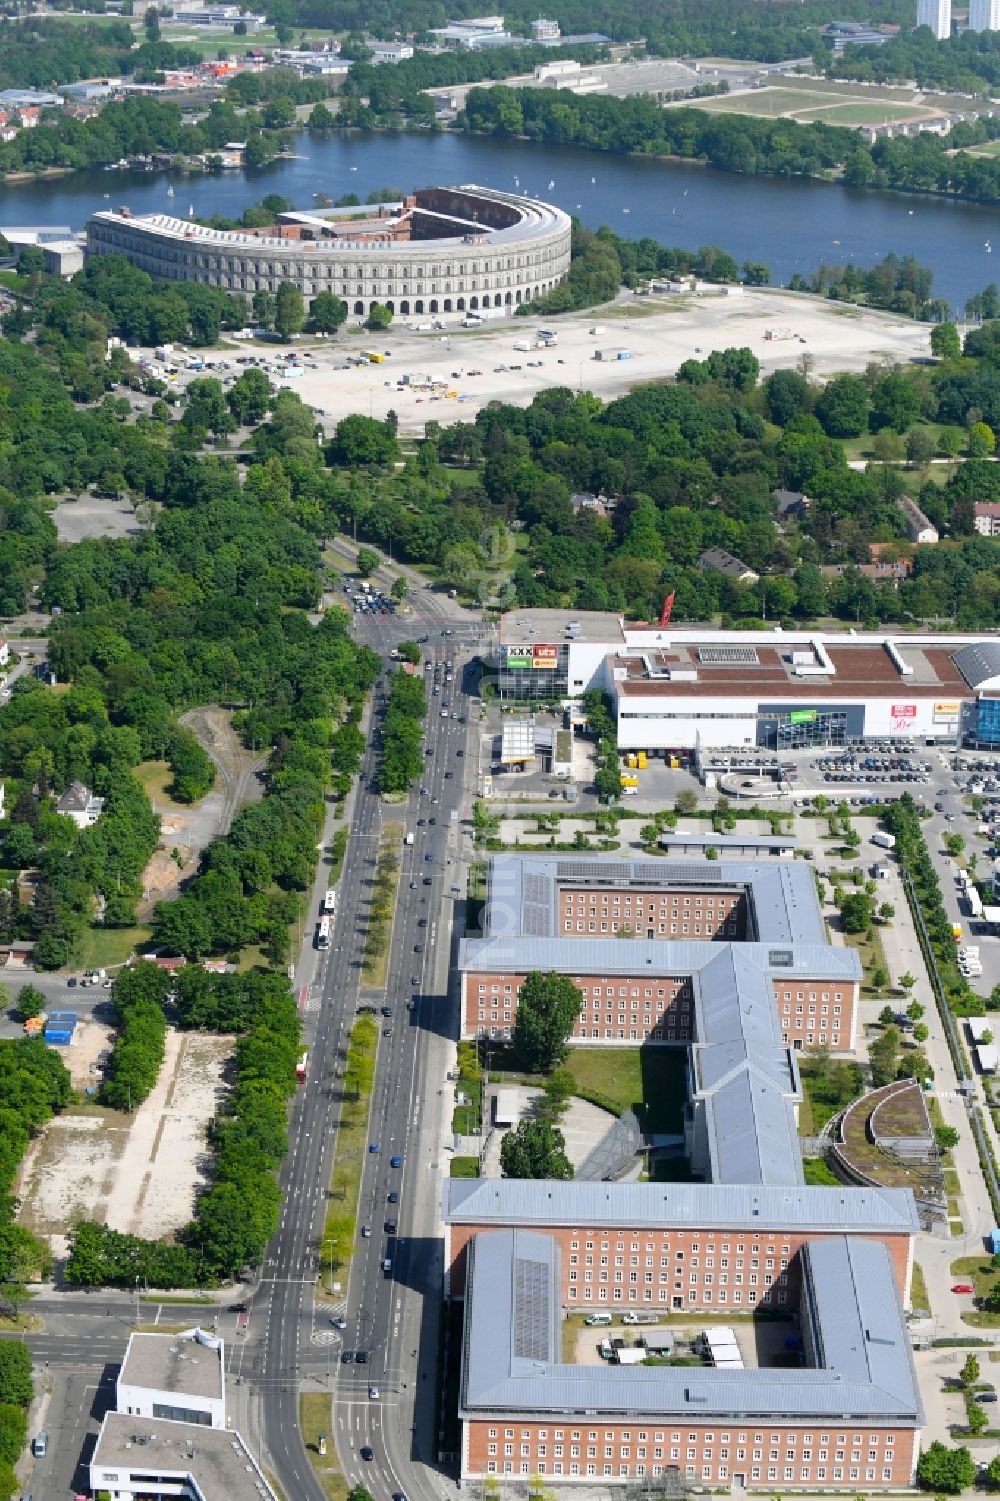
361, 1357
448, 775
963, 1287
392, 1198
386, 1031
428, 856
386, 1010
460, 752
339, 1323
422, 923
395, 1162
390, 1227
985, 1396
401, 1495
366, 1231
374, 1393
367, 1453
373, 1146
428, 881
939, 807
387, 1264
347, 1357
418, 948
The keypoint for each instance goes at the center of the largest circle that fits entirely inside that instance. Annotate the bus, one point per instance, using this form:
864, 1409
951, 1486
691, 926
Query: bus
300, 1068
323, 933
330, 901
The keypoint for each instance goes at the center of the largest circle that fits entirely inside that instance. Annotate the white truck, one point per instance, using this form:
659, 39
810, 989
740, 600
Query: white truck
330, 901
975, 901
883, 840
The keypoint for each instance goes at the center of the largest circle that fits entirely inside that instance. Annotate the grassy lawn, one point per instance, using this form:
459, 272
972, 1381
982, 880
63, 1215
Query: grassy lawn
817, 1174
100, 948
918, 1290
340, 1229
859, 112
465, 1167
650, 1080
872, 955
316, 1417
378, 945
977, 1270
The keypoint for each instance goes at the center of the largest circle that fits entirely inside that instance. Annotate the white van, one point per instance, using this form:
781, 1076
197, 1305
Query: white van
598, 1320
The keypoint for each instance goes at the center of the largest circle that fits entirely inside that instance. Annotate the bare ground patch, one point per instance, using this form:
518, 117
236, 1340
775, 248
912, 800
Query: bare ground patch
238, 767
184, 828
137, 1174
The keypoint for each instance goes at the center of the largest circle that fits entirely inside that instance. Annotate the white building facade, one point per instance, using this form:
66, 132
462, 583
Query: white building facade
984, 15
937, 15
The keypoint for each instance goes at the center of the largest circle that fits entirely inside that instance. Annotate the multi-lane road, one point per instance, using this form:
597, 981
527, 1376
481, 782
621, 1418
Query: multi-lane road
392, 1315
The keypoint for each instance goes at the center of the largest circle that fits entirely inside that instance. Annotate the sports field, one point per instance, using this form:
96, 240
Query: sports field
806, 105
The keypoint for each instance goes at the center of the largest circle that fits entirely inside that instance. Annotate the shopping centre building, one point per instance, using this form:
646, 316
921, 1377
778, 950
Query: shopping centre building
677, 688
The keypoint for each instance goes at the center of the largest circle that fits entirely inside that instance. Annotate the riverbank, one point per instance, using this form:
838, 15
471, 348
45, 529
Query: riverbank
793, 225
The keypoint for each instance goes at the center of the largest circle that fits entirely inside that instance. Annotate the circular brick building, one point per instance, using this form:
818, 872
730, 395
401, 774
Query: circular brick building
441, 250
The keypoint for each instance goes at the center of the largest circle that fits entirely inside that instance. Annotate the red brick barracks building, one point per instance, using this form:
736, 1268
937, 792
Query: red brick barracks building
729, 960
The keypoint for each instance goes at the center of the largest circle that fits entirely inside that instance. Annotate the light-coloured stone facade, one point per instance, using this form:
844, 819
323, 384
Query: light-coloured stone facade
517, 251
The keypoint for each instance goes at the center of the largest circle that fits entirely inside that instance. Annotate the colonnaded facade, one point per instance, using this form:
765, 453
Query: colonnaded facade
440, 250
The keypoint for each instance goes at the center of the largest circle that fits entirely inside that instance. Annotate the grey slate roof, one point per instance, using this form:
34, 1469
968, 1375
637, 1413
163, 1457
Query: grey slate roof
700, 1206
497, 1377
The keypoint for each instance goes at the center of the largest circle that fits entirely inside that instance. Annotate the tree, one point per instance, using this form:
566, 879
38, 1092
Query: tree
993, 1472
883, 1054
947, 1139
379, 318
945, 1470
982, 440
326, 313
856, 912
400, 588
945, 343
686, 802
409, 651
368, 561
842, 406
921, 1032
560, 1086
289, 310
886, 912
786, 393
151, 23
15, 1374
537, 1149
321, 118
920, 445
547, 1009
907, 982
249, 397
30, 1003
264, 308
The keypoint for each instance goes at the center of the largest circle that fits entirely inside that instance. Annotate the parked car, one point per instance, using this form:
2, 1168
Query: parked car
963, 1287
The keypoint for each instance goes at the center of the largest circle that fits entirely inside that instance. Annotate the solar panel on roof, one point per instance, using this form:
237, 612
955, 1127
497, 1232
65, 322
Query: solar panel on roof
719, 656
531, 1309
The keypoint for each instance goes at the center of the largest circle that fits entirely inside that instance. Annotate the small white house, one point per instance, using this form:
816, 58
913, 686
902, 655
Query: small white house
80, 804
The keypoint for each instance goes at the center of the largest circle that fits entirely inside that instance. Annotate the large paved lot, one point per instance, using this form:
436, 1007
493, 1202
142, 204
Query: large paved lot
660, 332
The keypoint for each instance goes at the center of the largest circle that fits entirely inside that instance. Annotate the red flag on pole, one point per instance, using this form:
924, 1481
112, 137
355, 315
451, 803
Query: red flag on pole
668, 605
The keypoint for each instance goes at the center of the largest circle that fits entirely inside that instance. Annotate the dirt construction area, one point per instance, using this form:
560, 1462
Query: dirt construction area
452, 375
138, 1174
187, 829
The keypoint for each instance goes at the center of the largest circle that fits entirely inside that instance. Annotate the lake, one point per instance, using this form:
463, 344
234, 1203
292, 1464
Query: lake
789, 224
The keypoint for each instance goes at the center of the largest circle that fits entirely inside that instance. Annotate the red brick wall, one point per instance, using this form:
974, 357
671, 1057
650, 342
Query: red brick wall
657, 1007
816, 1013
588, 913
824, 1456
757, 1268
660, 1009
